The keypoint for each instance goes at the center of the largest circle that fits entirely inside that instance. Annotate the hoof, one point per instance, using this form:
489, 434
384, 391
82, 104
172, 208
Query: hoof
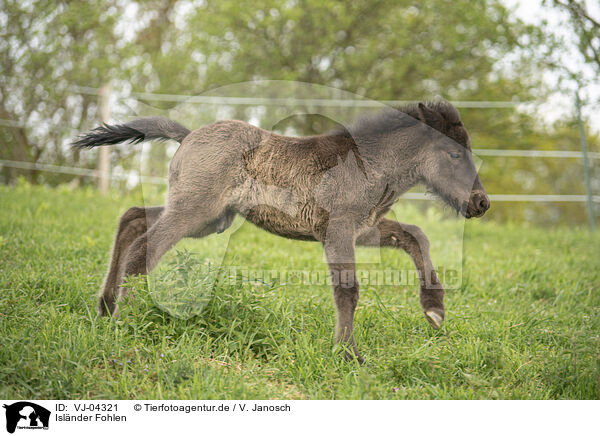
354, 357
434, 319
350, 353
102, 307
106, 308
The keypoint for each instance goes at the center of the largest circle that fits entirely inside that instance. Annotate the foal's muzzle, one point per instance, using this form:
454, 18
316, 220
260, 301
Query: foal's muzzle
479, 203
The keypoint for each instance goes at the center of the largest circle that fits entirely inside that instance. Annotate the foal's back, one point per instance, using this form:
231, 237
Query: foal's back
299, 162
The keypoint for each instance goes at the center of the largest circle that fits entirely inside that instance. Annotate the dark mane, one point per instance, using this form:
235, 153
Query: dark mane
393, 118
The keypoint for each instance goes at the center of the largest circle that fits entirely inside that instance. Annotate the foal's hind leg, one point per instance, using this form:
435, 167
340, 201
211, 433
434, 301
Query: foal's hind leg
133, 223
412, 240
147, 249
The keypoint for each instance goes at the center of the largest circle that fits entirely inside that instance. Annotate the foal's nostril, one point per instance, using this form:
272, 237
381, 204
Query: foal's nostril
480, 202
483, 203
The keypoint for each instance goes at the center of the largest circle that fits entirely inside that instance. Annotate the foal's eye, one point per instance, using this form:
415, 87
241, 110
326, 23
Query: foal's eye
454, 155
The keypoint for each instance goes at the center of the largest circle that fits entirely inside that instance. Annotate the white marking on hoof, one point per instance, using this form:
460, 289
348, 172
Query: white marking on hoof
434, 319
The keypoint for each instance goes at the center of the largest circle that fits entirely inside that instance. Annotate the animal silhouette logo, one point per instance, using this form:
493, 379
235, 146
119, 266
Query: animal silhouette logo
26, 415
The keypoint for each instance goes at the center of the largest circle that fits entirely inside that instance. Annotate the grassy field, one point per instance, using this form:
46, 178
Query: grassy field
524, 323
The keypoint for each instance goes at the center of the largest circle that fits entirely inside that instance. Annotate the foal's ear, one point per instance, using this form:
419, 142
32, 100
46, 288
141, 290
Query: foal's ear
429, 116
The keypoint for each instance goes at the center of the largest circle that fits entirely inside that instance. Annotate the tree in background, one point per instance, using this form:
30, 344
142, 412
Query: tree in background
586, 27
46, 48
583, 37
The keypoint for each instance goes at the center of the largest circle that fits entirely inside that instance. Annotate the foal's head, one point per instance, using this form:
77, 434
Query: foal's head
447, 166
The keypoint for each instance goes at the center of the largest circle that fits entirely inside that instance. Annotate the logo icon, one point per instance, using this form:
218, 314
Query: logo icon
26, 415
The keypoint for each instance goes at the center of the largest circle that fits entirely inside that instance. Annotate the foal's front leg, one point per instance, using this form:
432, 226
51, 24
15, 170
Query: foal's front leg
412, 240
339, 249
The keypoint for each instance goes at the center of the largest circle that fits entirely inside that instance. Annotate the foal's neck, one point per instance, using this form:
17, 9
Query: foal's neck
389, 159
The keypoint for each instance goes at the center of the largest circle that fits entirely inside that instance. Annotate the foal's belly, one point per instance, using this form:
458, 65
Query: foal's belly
280, 223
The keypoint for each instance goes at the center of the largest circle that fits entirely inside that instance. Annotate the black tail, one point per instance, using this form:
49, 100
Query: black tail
142, 129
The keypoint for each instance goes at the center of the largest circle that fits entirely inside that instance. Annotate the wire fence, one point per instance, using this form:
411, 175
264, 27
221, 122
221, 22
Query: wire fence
560, 154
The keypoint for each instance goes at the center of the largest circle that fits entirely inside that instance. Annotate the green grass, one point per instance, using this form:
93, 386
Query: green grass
524, 323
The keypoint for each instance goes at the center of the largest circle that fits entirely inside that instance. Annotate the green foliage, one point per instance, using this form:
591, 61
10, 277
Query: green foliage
523, 325
586, 27
46, 48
